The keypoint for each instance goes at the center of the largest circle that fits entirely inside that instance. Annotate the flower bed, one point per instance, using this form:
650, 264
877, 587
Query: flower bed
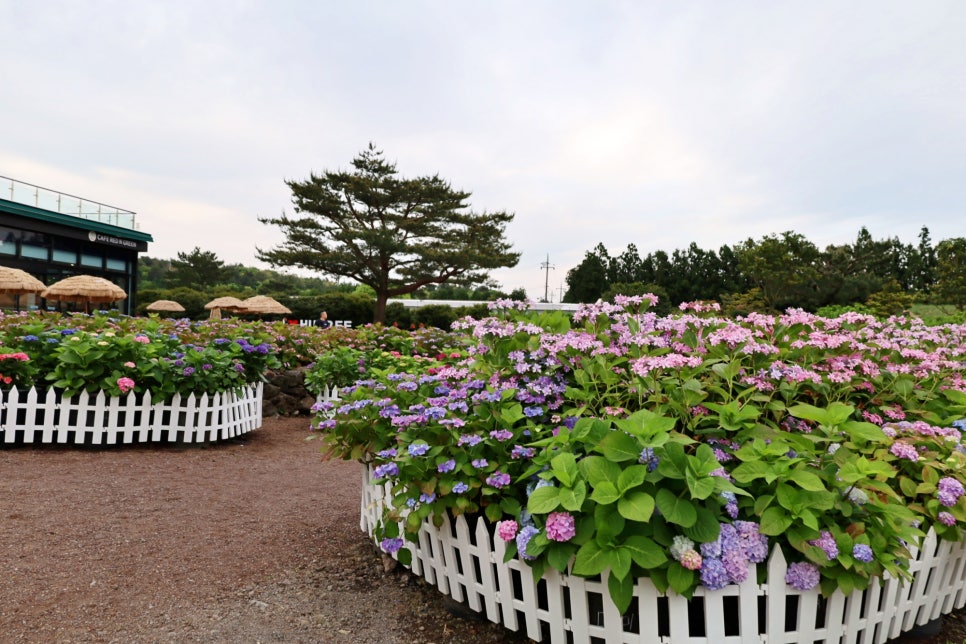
683, 449
469, 564
102, 379
48, 417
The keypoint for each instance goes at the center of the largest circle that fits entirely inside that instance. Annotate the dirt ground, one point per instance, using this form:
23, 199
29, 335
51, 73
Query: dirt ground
251, 540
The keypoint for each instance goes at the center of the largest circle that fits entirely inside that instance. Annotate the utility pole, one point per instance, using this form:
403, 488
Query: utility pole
546, 266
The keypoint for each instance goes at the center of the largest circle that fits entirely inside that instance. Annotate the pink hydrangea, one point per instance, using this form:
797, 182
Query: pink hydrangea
903, 449
691, 559
125, 385
560, 526
507, 529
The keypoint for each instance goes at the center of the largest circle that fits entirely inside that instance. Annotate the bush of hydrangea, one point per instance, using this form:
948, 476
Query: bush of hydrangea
680, 448
119, 355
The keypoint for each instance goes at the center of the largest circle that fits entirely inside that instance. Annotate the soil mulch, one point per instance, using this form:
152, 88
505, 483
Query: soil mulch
254, 539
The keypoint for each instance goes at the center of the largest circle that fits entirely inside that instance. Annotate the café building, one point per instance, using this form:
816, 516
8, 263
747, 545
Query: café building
53, 235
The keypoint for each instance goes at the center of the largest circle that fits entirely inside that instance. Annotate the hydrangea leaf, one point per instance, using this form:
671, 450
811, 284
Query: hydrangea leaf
621, 591
597, 469
543, 500
590, 560
605, 493
676, 510
636, 506
807, 480
645, 552
680, 579
619, 447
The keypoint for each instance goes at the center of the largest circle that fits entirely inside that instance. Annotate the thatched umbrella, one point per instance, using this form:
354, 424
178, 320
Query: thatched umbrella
263, 305
16, 282
84, 288
227, 303
165, 306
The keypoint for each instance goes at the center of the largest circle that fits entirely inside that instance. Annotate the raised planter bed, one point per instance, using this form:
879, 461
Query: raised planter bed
47, 417
466, 563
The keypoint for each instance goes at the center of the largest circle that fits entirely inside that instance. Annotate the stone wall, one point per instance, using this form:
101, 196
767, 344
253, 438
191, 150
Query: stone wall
285, 394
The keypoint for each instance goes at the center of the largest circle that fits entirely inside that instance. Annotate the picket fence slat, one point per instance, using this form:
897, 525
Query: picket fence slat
32, 417
466, 562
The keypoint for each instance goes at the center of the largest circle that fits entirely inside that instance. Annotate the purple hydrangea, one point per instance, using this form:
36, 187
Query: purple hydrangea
946, 518
387, 469
713, 574
711, 549
501, 434
479, 463
731, 503
523, 539
520, 452
802, 576
498, 479
387, 453
827, 543
460, 487
753, 543
391, 545
469, 439
736, 564
446, 466
862, 552
949, 491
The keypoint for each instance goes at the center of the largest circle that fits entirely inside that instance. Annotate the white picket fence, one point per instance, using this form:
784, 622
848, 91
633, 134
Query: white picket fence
467, 564
32, 417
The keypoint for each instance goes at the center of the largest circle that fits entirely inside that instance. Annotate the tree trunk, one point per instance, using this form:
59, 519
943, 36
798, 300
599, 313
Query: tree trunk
379, 315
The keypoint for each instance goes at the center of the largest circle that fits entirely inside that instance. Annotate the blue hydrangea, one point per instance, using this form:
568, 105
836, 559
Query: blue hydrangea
523, 538
417, 449
648, 458
862, 552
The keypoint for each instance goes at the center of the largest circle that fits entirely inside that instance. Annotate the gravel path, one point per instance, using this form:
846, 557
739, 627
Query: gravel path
251, 540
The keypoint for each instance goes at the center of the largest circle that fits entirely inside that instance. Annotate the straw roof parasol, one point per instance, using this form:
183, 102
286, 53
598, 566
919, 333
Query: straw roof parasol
167, 306
84, 288
262, 304
17, 282
228, 303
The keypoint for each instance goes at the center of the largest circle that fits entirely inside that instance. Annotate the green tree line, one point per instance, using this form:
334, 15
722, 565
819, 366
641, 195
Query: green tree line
783, 270
195, 278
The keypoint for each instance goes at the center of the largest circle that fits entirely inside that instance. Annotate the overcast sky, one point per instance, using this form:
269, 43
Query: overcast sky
645, 122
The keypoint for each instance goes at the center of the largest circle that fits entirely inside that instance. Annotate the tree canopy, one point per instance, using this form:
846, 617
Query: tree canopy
196, 267
781, 271
391, 233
